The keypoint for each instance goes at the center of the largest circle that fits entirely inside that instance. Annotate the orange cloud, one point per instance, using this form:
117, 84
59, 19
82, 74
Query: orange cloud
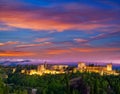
9, 43
58, 51
95, 49
81, 49
49, 25
23, 20
42, 39
15, 53
1, 44
71, 16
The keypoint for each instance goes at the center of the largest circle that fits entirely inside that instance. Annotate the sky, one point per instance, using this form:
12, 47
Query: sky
60, 30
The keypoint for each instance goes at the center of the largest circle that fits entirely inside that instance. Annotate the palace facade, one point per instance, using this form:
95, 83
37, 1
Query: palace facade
44, 69
60, 69
82, 67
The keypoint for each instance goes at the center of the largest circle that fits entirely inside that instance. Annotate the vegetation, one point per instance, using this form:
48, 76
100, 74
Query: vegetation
89, 83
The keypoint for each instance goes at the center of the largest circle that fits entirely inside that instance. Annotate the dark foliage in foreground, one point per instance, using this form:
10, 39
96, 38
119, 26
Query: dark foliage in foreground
86, 83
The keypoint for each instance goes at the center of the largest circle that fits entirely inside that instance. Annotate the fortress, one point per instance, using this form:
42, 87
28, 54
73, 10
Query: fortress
82, 67
45, 69
60, 69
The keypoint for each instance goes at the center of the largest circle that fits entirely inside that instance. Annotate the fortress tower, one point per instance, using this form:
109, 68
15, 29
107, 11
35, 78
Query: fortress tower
40, 68
45, 64
81, 65
109, 67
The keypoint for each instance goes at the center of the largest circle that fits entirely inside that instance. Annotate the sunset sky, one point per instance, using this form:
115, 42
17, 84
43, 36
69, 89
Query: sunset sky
60, 30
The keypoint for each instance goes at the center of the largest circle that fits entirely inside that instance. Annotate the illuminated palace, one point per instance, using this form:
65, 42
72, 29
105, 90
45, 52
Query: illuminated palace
45, 69
82, 67
59, 69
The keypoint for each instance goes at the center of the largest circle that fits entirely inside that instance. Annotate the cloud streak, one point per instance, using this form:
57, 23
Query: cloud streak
9, 43
86, 50
33, 45
50, 19
15, 54
42, 39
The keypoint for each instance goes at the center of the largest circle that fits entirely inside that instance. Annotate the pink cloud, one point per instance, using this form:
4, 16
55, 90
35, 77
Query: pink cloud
70, 54
9, 43
42, 39
33, 45
80, 40
50, 19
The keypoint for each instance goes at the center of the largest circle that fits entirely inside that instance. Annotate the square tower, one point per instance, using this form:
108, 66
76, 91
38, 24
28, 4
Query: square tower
81, 65
41, 68
109, 67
